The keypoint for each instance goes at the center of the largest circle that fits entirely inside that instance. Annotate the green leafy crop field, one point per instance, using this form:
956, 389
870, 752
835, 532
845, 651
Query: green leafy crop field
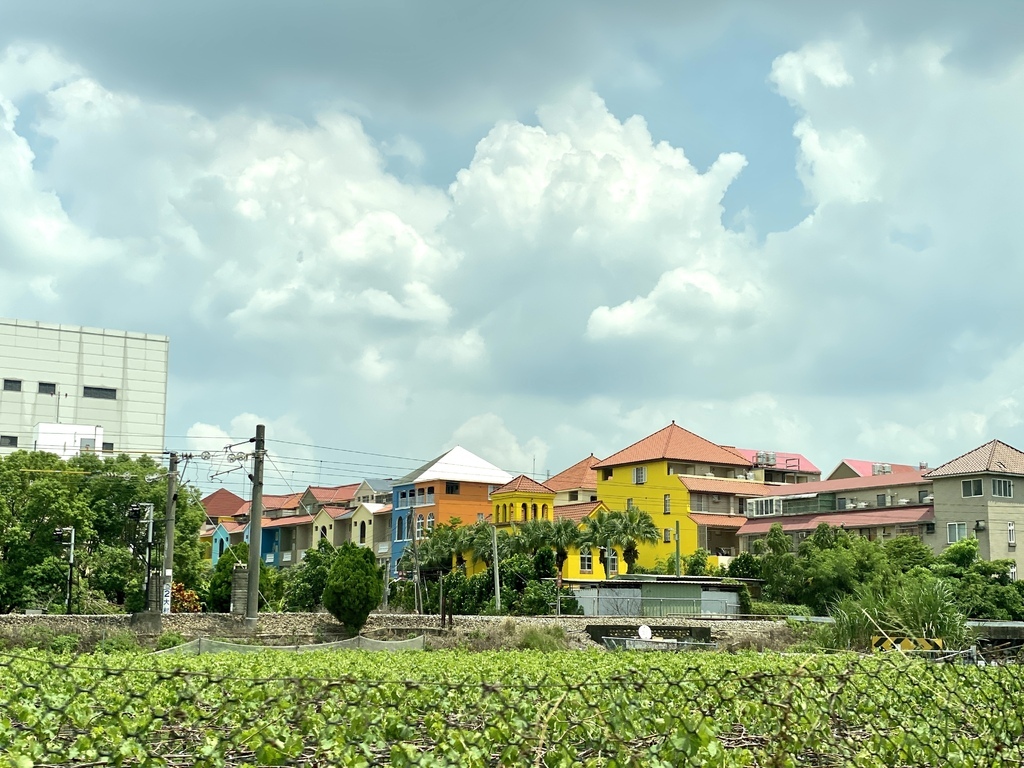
353, 708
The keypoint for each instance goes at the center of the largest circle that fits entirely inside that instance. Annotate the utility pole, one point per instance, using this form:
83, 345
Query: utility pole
497, 580
71, 567
679, 565
172, 500
252, 603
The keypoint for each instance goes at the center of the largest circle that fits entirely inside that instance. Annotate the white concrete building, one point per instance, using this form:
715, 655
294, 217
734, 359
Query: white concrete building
67, 388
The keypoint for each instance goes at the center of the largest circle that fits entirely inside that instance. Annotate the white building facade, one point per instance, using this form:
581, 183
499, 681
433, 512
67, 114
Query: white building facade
65, 389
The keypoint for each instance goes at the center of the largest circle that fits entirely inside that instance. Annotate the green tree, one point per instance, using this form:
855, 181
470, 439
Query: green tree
697, 563
564, 535
218, 597
354, 586
598, 533
304, 584
905, 553
745, 566
530, 537
631, 528
778, 565
833, 563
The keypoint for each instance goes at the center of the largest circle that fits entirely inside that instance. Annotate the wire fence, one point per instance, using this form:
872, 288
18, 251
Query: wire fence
613, 709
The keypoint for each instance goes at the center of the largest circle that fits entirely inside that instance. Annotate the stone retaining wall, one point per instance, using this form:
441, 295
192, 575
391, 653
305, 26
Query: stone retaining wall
305, 628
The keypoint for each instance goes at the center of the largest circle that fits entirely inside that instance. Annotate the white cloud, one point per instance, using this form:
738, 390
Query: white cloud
487, 436
793, 72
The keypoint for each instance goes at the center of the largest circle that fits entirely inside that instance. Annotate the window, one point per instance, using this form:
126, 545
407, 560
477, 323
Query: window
1002, 488
613, 562
108, 447
762, 507
1013, 572
47, 388
544, 512
479, 517
639, 475
922, 496
574, 495
533, 511
430, 521
629, 503
606, 474
323, 531
430, 494
12, 385
362, 531
400, 530
881, 499
667, 536
680, 469
100, 393
971, 487
524, 512
840, 504
586, 561
667, 504
8, 441
1011, 534
955, 532
698, 502
403, 500
419, 526
421, 496
452, 489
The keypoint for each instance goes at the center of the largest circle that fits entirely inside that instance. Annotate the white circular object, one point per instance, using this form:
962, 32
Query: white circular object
644, 632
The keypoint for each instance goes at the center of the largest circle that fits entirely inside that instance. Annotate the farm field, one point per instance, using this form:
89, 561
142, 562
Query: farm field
353, 708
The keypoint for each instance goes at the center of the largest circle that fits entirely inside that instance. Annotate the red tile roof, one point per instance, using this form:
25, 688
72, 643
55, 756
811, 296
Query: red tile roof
994, 456
869, 519
580, 476
222, 503
848, 484
339, 513
337, 494
866, 468
718, 521
794, 462
576, 512
675, 443
726, 486
523, 484
282, 522
385, 510
232, 527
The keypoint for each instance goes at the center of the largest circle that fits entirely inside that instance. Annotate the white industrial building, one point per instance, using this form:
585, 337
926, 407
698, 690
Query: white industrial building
66, 389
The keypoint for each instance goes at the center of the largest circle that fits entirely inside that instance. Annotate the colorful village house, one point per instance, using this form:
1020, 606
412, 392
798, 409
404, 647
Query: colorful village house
519, 500
456, 486
576, 484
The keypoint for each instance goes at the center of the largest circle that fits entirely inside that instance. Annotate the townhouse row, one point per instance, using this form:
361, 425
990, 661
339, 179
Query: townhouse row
716, 497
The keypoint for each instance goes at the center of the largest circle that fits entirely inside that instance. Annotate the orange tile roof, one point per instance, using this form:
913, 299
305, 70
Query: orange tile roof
994, 456
723, 485
869, 519
233, 527
576, 512
222, 503
286, 501
385, 510
675, 443
580, 476
334, 494
718, 521
523, 484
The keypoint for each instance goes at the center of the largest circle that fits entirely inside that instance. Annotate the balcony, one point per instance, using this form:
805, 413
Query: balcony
286, 557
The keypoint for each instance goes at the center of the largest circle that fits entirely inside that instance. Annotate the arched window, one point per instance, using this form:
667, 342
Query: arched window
400, 530
323, 531
430, 521
544, 512
362, 532
525, 518
534, 511
497, 513
408, 526
419, 526
220, 547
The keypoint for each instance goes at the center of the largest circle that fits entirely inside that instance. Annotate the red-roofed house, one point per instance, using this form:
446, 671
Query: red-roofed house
521, 499
858, 468
779, 466
575, 484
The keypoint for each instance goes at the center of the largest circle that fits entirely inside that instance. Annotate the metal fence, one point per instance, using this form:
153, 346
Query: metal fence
355, 709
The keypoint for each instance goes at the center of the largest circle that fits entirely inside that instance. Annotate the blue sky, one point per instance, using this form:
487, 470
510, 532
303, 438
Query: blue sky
538, 230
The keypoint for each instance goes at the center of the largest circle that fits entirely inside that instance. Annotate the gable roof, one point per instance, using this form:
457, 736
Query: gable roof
994, 456
282, 522
866, 468
272, 501
335, 494
222, 503
523, 484
675, 443
848, 484
794, 462
576, 512
580, 476
460, 465
378, 485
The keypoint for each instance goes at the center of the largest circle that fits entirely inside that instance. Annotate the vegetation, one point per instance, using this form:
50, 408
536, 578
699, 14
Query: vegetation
354, 586
303, 585
219, 593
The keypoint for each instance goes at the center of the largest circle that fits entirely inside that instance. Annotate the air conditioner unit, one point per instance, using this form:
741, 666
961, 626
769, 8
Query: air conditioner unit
715, 497
862, 505
929, 499
903, 502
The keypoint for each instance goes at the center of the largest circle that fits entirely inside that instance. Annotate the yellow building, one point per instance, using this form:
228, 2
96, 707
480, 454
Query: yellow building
520, 500
586, 564
678, 477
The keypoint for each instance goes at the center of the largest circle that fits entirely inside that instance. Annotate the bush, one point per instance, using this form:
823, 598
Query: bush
119, 642
353, 586
170, 640
542, 639
184, 600
36, 637
763, 608
65, 643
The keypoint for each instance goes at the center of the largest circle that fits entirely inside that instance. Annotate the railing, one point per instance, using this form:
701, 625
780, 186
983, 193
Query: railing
286, 557
654, 607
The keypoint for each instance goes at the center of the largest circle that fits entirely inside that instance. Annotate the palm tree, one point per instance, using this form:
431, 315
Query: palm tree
563, 536
632, 527
481, 545
598, 532
531, 536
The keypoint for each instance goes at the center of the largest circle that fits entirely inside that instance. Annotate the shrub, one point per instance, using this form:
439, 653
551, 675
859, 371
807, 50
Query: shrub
65, 643
763, 608
353, 586
184, 600
36, 637
170, 640
542, 639
118, 642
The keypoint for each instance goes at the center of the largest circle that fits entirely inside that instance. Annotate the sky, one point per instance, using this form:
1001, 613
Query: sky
538, 230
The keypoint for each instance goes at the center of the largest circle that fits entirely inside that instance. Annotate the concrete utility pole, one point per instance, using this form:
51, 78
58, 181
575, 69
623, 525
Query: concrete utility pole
679, 565
71, 568
252, 604
172, 501
497, 581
